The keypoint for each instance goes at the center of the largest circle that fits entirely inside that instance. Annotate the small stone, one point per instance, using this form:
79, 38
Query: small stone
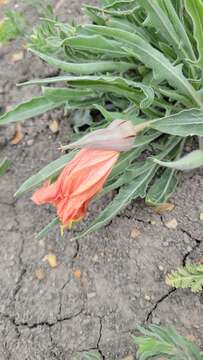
17, 57
51, 259
95, 258
152, 222
40, 275
54, 126
128, 358
189, 248
135, 233
77, 273
161, 268
201, 216
171, 224
41, 243
30, 142
147, 297
91, 295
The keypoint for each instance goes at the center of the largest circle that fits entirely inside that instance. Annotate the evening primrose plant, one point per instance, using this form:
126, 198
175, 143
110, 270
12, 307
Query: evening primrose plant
138, 61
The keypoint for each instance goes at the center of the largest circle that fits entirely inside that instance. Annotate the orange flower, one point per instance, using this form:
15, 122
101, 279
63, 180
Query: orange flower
79, 181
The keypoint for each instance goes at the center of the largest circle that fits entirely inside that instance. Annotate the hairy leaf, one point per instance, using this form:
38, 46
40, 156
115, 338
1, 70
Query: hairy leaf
188, 162
162, 189
189, 276
195, 9
4, 165
159, 342
185, 123
85, 68
29, 109
47, 228
152, 58
47, 172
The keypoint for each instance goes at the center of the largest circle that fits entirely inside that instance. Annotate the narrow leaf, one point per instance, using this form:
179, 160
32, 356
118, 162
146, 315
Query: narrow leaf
85, 68
29, 109
136, 188
195, 10
162, 189
4, 165
47, 172
185, 123
47, 228
188, 162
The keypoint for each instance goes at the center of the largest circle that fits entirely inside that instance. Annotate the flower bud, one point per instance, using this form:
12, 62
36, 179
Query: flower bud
118, 136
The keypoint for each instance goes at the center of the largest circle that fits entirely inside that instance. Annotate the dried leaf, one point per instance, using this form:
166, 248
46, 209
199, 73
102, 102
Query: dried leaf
40, 275
15, 57
201, 260
51, 259
77, 273
54, 126
172, 224
18, 135
166, 207
191, 338
135, 233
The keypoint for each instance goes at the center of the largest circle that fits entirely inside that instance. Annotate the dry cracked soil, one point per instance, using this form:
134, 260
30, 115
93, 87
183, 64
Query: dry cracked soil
104, 285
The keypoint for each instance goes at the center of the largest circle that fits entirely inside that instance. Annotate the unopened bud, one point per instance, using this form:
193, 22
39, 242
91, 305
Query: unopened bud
118, 136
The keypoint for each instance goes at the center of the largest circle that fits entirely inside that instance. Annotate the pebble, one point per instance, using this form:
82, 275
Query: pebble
201, 216
91, 295
135, 233
40, 275
30, 142
161, 268
147, 297
171, 224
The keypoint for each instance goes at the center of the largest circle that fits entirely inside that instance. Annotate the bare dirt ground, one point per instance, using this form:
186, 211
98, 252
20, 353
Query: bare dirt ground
104, 285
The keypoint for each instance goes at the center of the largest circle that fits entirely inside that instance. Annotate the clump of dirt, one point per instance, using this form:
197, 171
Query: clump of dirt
102, 287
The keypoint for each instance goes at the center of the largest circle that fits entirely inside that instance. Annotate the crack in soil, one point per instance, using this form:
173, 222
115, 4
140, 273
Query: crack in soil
100, 336
163, 298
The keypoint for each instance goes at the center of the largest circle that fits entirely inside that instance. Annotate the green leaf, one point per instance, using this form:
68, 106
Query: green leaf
127, 175
29, 109
188, 162
162, 16
195, 10
66, 94
159, 342
189, 276
4, 165
11, 26
136, 188
146, 138
47, 172
47, 228
152, 58
119, 85
162, 189
96, 44
185, 123
85, 68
